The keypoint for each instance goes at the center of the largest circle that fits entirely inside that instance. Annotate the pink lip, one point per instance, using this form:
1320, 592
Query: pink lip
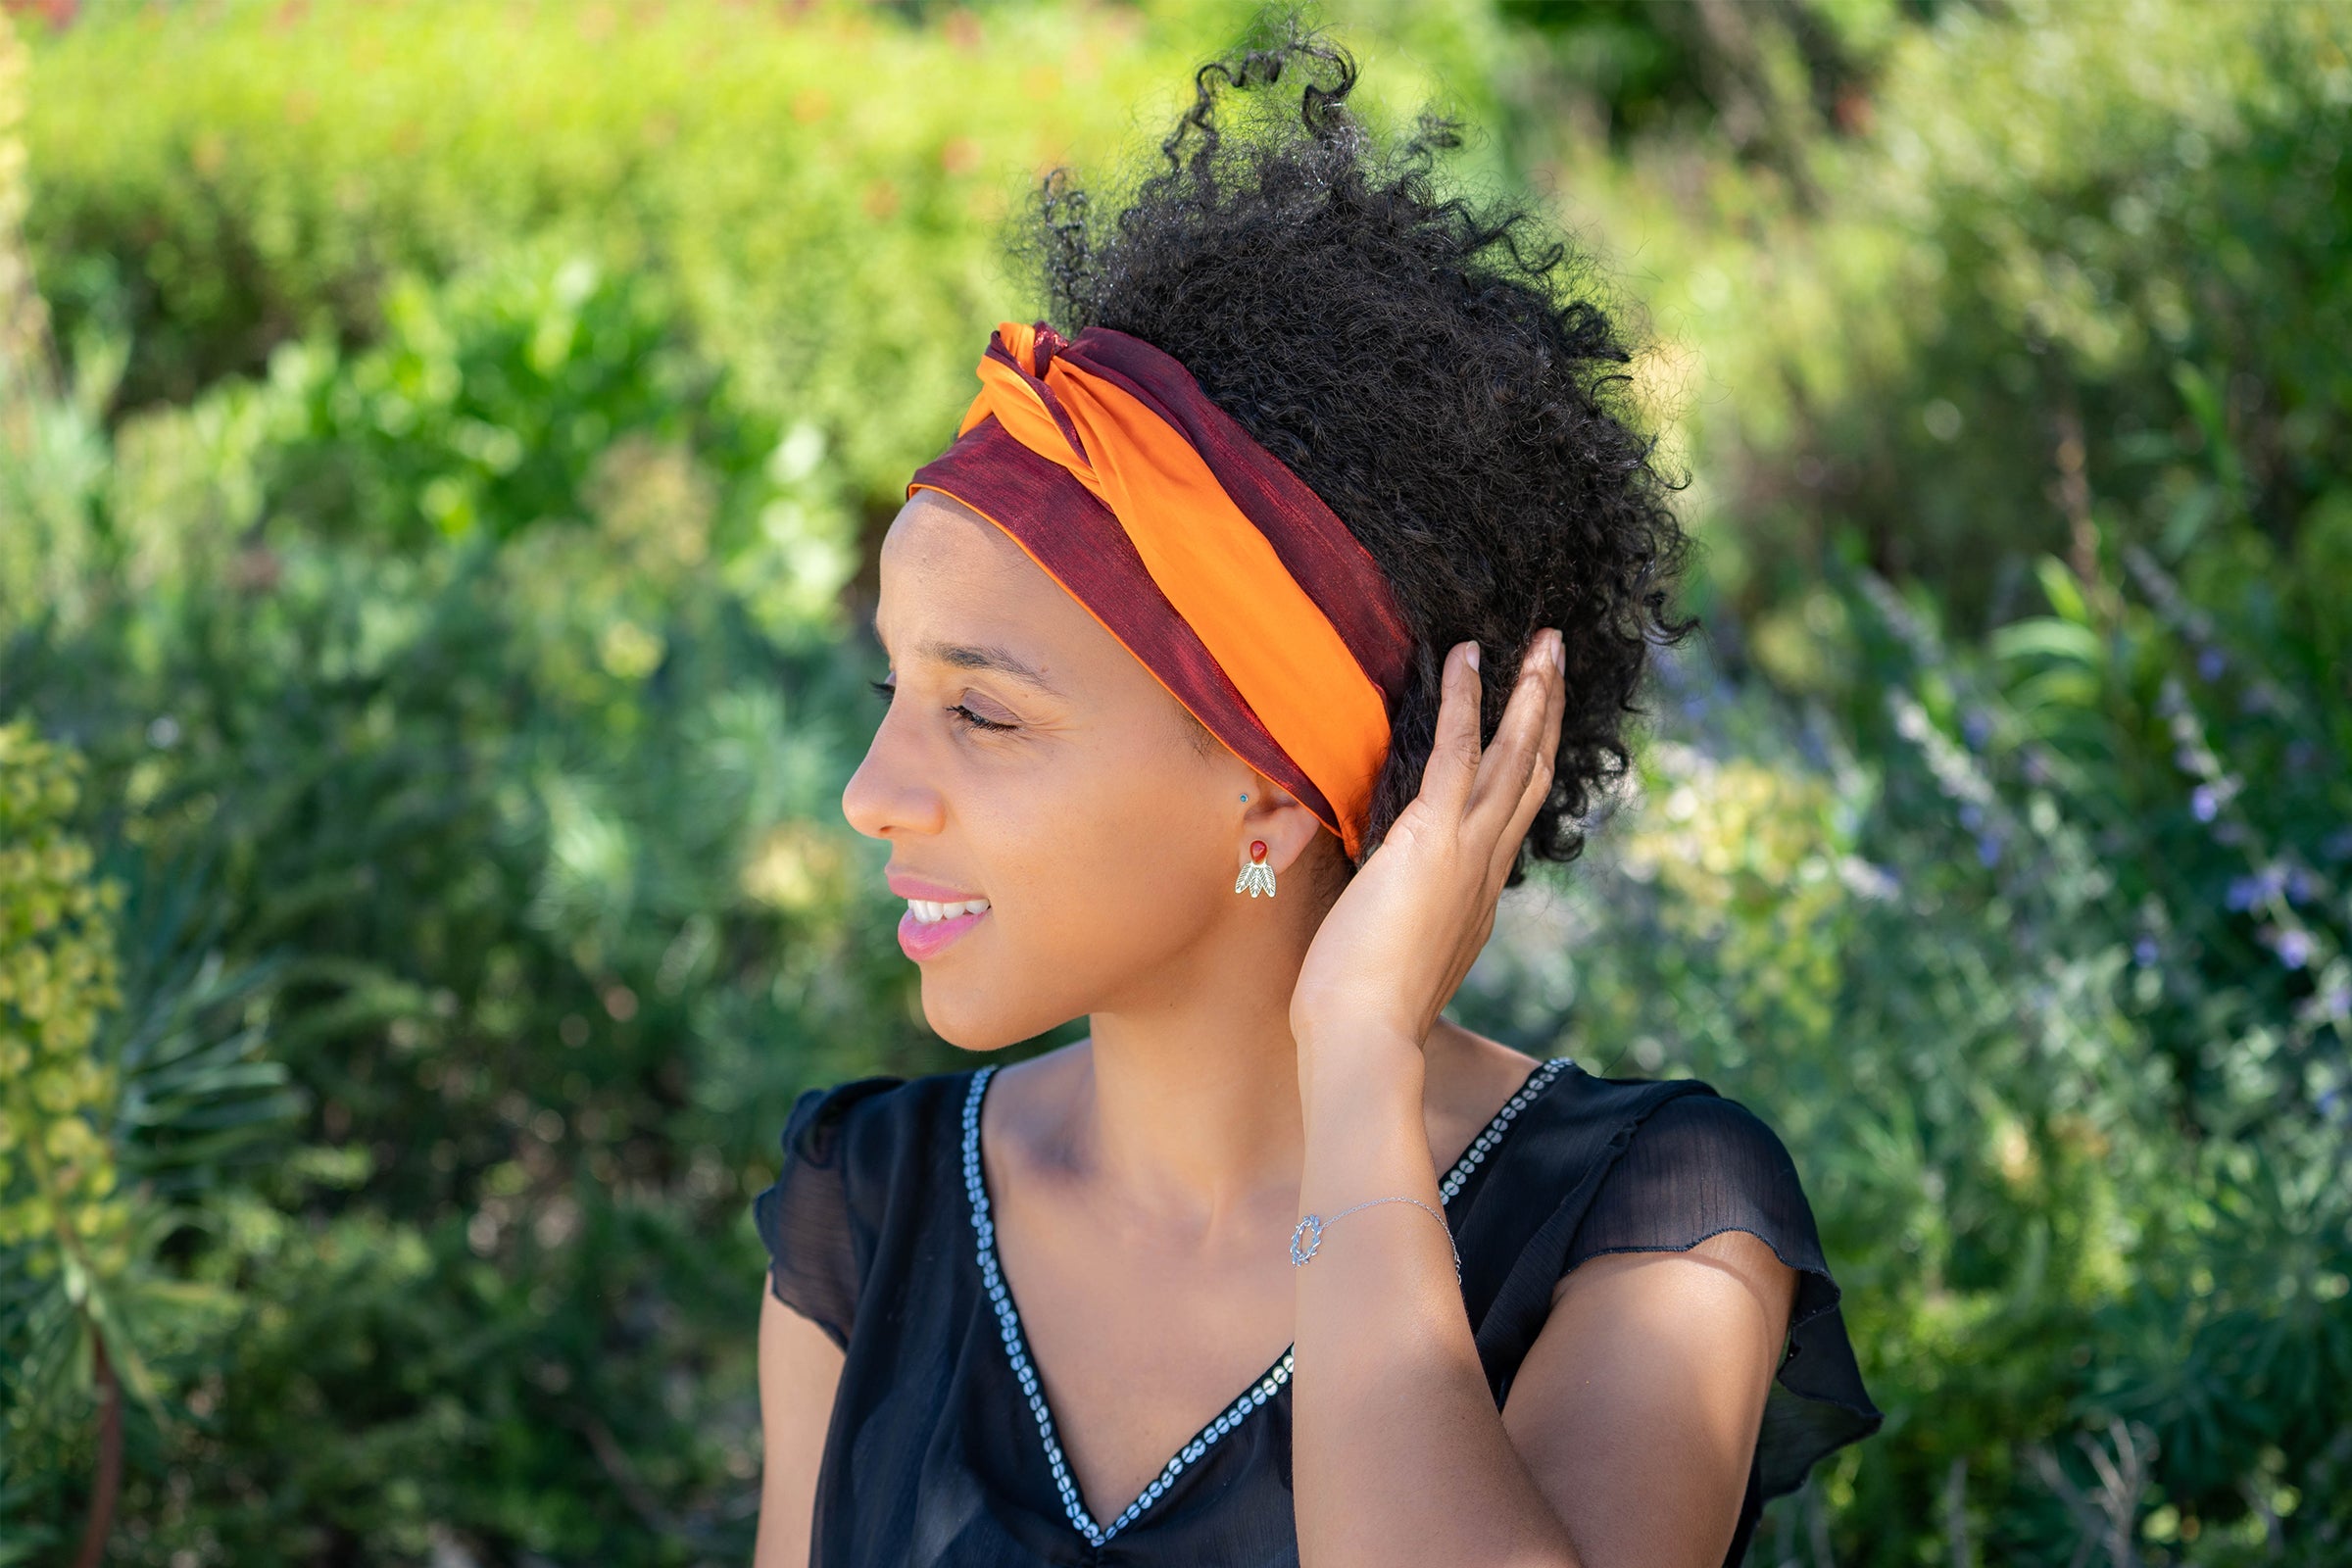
922, 940
908, 886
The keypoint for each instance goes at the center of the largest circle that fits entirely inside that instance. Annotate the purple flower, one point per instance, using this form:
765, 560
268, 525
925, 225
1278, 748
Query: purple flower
1988, 848
2246, 892
1977, 726
2205, 803
2300, 885
2211, 663
2146, 951
2294, 948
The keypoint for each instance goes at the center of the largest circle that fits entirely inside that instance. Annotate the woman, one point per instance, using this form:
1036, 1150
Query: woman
1144, 675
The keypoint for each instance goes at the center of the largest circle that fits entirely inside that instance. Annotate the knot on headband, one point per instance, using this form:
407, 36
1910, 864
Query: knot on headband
1215, 566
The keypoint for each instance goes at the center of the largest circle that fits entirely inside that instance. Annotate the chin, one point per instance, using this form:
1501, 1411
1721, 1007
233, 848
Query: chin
972, 1021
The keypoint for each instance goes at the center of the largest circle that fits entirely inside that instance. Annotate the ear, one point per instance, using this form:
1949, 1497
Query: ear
1279, 818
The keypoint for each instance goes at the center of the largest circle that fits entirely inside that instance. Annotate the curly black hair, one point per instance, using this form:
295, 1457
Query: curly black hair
1436, 368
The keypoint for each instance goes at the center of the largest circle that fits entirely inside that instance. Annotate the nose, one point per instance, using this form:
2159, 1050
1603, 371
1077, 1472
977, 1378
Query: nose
890, 795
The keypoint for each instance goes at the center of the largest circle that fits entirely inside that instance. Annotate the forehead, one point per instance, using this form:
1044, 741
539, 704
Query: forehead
937, 542
949, 572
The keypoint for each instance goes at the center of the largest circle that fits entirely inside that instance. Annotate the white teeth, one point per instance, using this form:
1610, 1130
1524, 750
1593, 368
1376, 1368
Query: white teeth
927, 911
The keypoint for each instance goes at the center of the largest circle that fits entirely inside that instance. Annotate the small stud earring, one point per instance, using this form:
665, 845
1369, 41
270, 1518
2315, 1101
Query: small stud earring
1257, 876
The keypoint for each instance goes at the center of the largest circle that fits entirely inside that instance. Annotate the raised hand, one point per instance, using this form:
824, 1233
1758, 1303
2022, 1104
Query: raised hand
1395, 947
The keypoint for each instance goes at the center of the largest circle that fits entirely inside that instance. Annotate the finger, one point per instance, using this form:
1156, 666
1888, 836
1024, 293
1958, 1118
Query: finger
1454, 748
1539, 781
1504, 769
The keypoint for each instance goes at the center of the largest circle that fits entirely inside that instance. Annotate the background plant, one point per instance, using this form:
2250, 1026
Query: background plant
442, 462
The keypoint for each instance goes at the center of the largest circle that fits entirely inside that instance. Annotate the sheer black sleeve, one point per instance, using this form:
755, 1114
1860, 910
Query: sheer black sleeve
819, 1219
1696, 1166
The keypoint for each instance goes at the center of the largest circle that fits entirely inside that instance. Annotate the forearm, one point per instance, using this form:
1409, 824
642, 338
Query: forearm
1399, 1452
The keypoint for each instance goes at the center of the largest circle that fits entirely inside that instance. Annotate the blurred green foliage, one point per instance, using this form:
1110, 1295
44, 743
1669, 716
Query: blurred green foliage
822, 190
2048, 287
433, 560
500, 401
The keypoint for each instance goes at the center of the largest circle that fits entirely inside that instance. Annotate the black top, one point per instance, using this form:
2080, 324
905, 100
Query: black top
941, 1450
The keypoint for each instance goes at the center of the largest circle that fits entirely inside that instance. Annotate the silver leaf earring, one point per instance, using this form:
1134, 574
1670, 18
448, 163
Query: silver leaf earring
1257, 876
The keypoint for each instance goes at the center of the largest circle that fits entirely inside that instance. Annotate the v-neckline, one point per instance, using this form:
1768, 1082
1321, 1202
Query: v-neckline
1264, 1387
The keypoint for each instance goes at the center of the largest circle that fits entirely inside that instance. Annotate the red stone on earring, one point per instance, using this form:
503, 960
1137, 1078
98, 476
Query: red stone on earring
1257, 876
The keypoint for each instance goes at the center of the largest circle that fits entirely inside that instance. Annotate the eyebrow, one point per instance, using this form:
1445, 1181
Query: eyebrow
967, 656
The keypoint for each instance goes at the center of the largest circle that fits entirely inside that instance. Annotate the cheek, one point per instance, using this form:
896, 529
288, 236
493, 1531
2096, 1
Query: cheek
1082, 845
1096, 865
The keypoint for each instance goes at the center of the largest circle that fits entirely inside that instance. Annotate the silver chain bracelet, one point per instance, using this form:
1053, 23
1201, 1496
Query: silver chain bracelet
1307, 1239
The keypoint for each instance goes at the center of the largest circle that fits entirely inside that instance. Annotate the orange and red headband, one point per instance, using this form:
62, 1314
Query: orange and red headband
1214, 563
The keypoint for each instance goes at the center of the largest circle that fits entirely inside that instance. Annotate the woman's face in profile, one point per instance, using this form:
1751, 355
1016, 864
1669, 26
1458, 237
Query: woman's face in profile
1028, 759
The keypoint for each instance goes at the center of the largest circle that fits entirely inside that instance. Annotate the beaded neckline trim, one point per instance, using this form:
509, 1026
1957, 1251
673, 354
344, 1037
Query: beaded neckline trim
1268, 1384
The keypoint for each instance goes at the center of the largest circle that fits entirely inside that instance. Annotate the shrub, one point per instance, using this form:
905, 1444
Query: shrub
513, 819
2043, 282
440, 562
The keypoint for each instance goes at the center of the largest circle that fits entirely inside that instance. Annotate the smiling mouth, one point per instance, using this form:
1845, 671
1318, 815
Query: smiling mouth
931, 911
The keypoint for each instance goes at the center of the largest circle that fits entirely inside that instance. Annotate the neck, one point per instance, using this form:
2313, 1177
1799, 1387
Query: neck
1185, 1100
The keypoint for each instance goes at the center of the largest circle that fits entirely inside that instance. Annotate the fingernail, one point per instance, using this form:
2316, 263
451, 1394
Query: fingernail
1472, 656
1559, 650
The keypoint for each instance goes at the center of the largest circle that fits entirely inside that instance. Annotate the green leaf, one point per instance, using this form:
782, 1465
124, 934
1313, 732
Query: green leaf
2046, 637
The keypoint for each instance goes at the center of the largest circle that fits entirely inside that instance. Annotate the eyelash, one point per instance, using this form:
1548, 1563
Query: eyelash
886, 691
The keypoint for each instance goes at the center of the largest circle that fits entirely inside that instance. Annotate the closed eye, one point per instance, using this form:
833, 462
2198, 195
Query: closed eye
886, 690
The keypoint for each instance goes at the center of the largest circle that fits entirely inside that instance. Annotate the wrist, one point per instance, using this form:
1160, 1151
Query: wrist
1362, 1071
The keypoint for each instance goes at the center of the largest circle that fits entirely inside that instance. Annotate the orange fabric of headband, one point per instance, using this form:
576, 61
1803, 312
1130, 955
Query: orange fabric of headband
1309, 645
